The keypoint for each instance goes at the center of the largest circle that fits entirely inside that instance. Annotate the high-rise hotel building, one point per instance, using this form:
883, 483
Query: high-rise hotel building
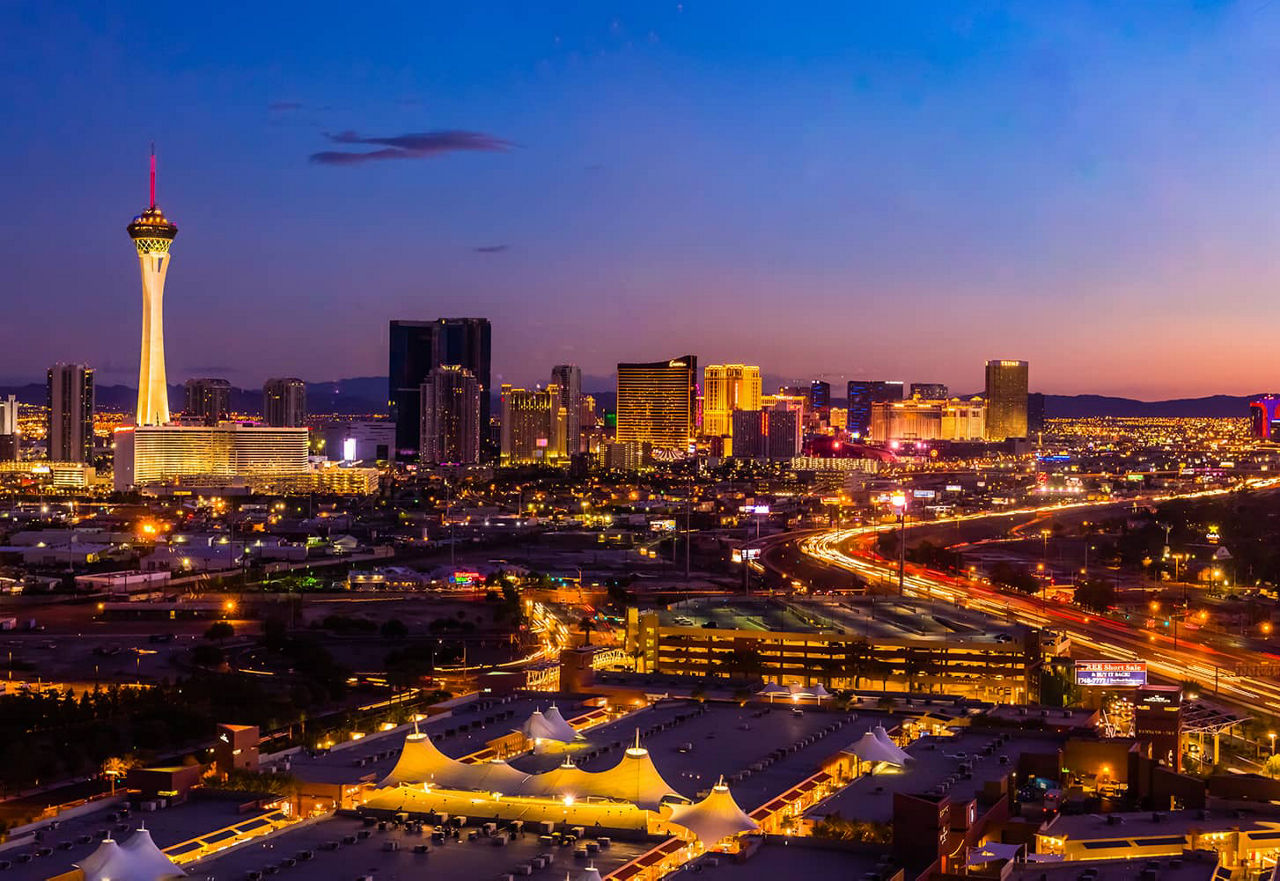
418, 347
726, 388
534, 426
450, 431
157, 454
657, 403
70, 399
284, 402
1006, 399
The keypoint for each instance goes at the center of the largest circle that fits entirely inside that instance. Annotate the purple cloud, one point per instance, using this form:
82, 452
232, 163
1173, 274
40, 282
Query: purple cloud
414, 145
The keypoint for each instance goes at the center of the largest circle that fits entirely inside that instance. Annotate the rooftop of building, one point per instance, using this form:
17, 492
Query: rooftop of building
799, 858
958, 767
877, 618
1191, 866
390, 853
1146, 824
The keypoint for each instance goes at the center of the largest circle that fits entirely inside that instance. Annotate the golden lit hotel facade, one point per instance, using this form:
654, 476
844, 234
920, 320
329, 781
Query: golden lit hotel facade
726, 388
166, 453
657, 403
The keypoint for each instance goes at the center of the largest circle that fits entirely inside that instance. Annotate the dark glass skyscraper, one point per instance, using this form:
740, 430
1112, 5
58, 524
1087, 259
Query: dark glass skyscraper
284, 402
862, 394
208, 400
418, 347
820, 395
70, 428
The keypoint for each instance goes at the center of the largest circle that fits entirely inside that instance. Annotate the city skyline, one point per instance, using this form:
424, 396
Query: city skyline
939, 189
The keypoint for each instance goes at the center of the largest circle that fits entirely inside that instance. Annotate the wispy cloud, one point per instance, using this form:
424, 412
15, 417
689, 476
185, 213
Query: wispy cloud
490, 249
414, 145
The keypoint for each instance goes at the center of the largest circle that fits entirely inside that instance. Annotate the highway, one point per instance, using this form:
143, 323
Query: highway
1210, 660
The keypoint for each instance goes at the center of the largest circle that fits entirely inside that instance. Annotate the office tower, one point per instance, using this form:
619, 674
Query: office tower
657, 403
749, 438
450, 429
372, 441
726, 388
534, 423
10, 434
569, 378
149, 454
930, 391
1006, 399
207, 400
820, 396
284, 402
152, 235
783, 426
415, 349
70, 399
1035, 413
862, 394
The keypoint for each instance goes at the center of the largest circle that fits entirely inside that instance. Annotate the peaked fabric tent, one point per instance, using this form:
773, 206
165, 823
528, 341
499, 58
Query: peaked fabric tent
715, 818
773, 689
549, 726
870, 749
820, 692
422, 762
567, 731
634, 779
883, 736
138, 859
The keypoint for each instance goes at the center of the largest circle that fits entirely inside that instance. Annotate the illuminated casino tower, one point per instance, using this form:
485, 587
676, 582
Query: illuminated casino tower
152, 234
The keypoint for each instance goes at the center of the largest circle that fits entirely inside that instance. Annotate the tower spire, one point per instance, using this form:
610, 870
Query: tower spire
153, 174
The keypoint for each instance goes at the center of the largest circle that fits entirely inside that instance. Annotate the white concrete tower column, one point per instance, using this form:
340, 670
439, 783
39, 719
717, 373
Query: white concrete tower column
152, 234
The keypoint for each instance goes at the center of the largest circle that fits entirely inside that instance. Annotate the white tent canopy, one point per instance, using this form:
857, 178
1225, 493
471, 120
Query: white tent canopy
883, 736
715, 818
549, 726
870, 749
138, 859
819, 692
634, 779
773, 688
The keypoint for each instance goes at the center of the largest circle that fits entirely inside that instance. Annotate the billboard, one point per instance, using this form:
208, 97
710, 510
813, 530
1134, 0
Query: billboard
1111, 674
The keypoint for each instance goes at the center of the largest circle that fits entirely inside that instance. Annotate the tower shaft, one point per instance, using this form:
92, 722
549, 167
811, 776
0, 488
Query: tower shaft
153, 390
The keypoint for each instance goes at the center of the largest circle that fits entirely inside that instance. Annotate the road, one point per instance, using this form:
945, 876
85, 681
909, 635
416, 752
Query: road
1209, 659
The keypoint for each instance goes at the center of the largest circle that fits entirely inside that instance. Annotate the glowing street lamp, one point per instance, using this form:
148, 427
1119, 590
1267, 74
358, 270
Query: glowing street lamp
899, 502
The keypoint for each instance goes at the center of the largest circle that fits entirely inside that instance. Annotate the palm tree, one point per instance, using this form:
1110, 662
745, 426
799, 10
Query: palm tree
117, 766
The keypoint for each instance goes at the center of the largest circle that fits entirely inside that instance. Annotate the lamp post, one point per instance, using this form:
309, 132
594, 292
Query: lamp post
899, 500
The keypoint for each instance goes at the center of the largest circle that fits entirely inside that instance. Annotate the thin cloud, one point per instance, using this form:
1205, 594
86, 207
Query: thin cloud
490, 249
413, 145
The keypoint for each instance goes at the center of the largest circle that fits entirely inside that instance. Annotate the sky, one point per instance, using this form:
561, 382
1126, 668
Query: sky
829, 190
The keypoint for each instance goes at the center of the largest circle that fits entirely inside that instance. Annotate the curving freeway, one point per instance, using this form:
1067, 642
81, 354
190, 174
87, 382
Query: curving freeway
1212, 660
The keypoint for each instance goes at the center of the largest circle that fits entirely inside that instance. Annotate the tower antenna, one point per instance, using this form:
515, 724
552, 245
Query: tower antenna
153, 174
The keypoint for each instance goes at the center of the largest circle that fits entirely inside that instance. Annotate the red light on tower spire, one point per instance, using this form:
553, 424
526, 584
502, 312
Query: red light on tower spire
153, 174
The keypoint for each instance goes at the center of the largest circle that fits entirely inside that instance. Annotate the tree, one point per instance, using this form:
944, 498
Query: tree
394, 628
205, 655
1096, 593
219, 630
116, 767
1271, 767
1007, 575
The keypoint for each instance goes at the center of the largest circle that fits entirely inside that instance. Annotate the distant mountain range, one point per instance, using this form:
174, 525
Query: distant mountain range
367, 395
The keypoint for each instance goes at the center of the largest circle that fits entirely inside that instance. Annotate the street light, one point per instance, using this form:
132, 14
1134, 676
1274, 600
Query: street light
1272, 735
899, 501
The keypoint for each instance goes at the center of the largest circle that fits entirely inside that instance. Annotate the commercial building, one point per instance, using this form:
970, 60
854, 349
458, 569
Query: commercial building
450, 430
1264, 418
727, 388
916, 419
820, 396
373, 441
10, 433
284, 402
70, 399
569, 379
903, 644
631, 456
657, 403
930, 391
152, 235
534, 425
418, 347
862, 394
783, 426
750, 440
151, 454
1006, 399
208, 401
